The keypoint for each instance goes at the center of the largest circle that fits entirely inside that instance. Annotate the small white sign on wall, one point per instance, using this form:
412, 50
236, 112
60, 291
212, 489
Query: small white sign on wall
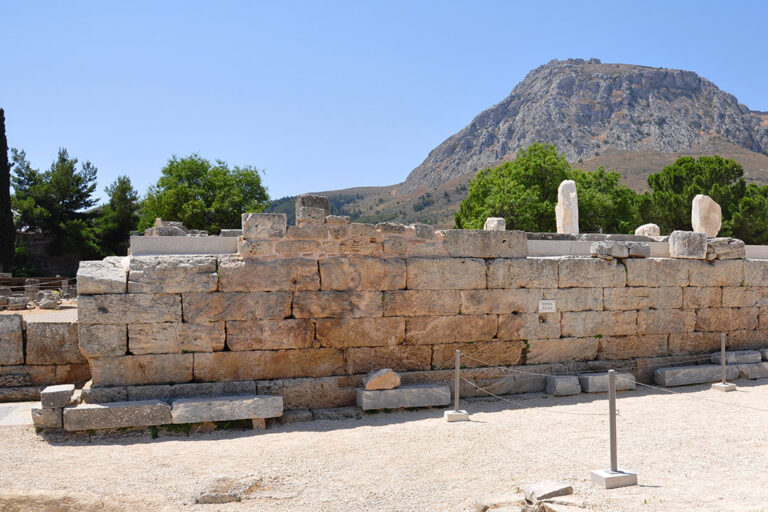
547, 306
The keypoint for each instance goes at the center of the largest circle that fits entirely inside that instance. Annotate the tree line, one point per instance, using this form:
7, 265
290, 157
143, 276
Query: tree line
524, 193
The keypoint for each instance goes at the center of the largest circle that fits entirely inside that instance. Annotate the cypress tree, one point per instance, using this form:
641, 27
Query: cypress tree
7, 231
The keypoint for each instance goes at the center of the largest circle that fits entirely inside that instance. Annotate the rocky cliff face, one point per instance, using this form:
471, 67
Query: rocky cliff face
586, 108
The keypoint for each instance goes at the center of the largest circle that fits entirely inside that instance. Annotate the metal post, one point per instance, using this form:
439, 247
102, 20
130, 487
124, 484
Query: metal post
456, 382
612, 417
722, 355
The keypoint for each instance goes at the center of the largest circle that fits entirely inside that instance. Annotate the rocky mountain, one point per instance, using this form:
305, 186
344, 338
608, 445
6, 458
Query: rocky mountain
588, 110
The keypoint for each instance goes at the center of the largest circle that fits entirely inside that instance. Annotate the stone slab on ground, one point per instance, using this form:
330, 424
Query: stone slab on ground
420, 395
546, 489
56, 396
43, 417
563, 385
598, 382
614, 479
738, 357
454, 416
226, 408
754, 371
142, 413
688, 375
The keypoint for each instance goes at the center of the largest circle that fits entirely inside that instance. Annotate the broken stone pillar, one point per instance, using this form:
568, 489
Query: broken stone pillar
312, 209
495, 224
706, 215
648, 230
567, 209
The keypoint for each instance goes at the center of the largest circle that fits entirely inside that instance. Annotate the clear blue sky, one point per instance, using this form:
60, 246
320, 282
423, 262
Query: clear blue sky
322, 95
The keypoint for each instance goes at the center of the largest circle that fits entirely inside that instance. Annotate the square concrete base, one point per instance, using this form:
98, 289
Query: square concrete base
613, 479
724, 387
451, 416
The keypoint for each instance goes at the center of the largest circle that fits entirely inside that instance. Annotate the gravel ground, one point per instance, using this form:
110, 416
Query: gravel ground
689, 454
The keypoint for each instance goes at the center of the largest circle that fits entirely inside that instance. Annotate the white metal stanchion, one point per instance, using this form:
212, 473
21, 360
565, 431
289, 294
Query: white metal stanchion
723, 385
613, 477
456, 414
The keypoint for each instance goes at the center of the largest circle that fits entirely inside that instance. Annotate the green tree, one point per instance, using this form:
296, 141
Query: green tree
7, 231
203, 195
118, 217
749, 221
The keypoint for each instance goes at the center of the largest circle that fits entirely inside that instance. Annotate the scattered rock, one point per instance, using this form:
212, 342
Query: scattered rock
229, 489
385, 378
725, 248
546, 489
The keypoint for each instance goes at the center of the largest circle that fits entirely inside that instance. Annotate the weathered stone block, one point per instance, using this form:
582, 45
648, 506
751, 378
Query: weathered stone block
737, 357
630, 347
395, 246
172, 274
742, 296
175, 338
526, 326
445, 273
147, 369
298, 248
309, 216
702, 297
268, 364
225, 408
313, 201
495, 224
312, 393
474, 243
104, 276
590, 273
264, 225
607, 249
706, 215
754, 371
628, 298
32, 374
648, 230
502, 353
116, 415
241, 275
11, 340
361, 245
333, 304
716, 273
688, 244
499, 301
422, 303
418, 248
595, 323
688, 375
129, 308
213, 307
563, 385
46, 417
726, 319
360, 332
651, 272
725, 248
337, 220
755, 272
313, 231
78, 373
448, 329
190, 390
576, 299
764, 353
52, 343
567, 208
97, 340
270, 334
665, 321
693, 342
423, 231
385, 378
359, 273
99, 395
255, 248
56, 396
424, 395
398, 357
598, 382
523, 273
561, 350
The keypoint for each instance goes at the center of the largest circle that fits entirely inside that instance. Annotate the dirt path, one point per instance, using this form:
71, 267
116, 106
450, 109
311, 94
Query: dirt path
689, 454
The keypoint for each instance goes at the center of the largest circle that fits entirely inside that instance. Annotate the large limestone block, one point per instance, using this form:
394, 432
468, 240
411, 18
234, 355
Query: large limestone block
499, 301
332, 304
172, 274
311, 393
737, 357
628, 298
590, 273
567, 209
360, 332
361, 245
422, 303
188, 390
598, 382
648, 230
96, 340
495, 224
385, 378
319, 232
693, 342
213, 307
501, 353
688, 375
688, 245
526, 326
46, 418
475, 243
307, 216
175, 338
755, 272
561, 350
631, 347
703, 297
726, 319
116, 415
257, 226
706, 215
360, 273
268, 364
225, 408
104, 276
599, 323
665, 321
743, 296
445, 273
576, 299
129, 308
449, 329
523, 273
270, 334
78, 373
52, 343
299, 248
28, 375
400, 358
420, 395
716, 273
313, 201
11, 340
563, 385
56, 396
137, 370
253, 275
656, 272
725, 248
754, 371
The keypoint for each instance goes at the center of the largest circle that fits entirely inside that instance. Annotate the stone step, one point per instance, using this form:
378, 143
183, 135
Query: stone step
738, 357
421, 395
598, 382
563, 385
225, 408
56, 396
142, 413
688, 375
754, 371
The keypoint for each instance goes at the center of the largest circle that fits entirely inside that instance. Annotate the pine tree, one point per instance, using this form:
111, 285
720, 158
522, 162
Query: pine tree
7, 231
